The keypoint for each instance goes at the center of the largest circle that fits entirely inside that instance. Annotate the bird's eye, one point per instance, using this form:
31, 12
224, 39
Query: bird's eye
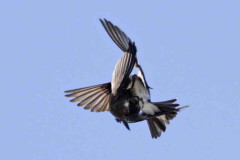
134, 100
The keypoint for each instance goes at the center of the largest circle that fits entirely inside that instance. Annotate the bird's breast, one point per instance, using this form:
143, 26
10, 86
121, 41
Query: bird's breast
139, 90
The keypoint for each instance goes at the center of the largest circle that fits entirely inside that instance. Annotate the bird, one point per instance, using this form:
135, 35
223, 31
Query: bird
127, 96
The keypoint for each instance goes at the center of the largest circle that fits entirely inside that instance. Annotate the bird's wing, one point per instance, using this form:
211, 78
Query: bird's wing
122, 71
117, 35
95, 98
122, 41
126, 63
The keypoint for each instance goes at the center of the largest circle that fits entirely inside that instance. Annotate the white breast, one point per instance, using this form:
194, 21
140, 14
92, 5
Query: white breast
140, 90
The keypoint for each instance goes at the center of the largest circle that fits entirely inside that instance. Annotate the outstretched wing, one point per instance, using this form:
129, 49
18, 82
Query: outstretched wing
117, 35
95, 98
122, 71
123, 41
126, 63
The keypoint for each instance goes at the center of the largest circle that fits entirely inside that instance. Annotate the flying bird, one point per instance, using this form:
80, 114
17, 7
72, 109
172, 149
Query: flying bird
127, 96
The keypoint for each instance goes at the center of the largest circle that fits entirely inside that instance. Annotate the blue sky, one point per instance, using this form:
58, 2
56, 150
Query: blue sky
188, 49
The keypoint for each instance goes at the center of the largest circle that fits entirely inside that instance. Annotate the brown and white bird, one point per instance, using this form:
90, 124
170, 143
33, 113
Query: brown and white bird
127, 96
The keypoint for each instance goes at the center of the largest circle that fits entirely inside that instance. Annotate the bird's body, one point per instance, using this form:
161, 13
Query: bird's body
127, 96
127, 107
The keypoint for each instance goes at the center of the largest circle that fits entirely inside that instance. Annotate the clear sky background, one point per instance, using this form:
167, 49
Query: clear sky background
189, 50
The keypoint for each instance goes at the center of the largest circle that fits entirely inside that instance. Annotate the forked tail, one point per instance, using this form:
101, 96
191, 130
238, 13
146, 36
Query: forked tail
169, 110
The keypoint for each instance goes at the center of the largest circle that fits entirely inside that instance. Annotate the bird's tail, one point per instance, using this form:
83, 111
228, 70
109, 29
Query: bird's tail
168, 110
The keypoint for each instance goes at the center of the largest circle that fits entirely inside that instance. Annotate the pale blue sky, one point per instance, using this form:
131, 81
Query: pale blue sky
188, 49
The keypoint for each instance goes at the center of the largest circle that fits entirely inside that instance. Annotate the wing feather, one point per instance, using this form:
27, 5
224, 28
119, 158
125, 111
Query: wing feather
126, 63
117, 35
122, 71
95, 98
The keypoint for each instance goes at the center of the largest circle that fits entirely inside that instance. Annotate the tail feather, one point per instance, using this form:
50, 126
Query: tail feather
156, 126
168, 106
168, 110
